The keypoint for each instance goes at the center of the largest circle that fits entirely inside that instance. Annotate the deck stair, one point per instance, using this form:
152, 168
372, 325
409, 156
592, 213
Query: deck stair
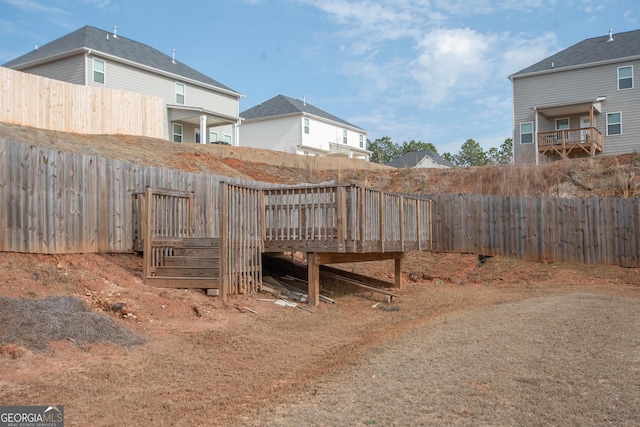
186, 263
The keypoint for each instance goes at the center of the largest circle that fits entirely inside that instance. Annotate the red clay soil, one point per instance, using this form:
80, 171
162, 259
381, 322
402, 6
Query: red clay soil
205, 363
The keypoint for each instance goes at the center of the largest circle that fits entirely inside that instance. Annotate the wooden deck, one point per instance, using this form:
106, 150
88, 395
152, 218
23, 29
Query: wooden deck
329, 223
570, 142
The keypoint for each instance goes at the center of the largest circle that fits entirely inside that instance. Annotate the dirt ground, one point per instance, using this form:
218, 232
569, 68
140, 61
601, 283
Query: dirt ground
504, 343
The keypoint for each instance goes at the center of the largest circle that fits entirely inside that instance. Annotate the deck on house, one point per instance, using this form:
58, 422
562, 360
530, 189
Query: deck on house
329, 223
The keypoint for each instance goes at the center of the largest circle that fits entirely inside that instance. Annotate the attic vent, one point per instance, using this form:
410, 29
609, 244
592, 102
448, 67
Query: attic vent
115, 32
610, 36
36, 47
173, 56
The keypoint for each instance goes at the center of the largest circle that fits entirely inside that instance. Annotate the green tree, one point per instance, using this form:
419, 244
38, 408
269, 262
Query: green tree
471, 154
449, 156
502, 155
383, 149
411, 146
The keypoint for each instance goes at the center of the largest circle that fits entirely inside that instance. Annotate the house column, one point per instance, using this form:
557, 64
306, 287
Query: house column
236, 135
535, 135
203, 129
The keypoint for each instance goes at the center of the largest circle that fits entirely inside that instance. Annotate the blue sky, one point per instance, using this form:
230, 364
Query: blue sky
429, 70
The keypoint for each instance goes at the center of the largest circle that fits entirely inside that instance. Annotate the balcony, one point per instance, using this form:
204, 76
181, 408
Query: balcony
570, 142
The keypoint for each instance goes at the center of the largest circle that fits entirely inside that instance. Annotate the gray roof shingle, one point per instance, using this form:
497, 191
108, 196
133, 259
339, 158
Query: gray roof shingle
281, 105
410, 160
590, 51
103, 41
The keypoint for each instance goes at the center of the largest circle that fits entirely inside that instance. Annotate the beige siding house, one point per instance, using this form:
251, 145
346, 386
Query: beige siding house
582, 101
294, 126
195, 104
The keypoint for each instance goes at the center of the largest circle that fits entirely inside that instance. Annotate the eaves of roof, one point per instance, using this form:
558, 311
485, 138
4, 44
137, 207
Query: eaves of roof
92, 40
520, 75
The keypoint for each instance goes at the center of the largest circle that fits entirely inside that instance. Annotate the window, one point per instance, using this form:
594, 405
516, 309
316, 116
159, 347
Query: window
177, 132
361, 141
526, 133
98, 70
614, 123
306, 126
344, 136
227, 139
625, 77
213, 136
196, 136
305, 152
562, 124
179, 93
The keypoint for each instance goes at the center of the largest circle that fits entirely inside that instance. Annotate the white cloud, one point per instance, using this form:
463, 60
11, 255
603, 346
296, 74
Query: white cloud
630, 16
102, 4
451, 61
522, 51
35, 7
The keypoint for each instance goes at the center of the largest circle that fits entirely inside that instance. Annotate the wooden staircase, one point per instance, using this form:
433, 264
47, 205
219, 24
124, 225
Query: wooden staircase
185, 263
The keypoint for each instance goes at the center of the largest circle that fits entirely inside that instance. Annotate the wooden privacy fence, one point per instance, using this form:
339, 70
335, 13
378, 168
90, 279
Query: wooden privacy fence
30, 100
55, 202
589, 231
344, 218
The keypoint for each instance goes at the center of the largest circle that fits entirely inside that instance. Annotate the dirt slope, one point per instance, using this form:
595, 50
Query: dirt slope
617, 176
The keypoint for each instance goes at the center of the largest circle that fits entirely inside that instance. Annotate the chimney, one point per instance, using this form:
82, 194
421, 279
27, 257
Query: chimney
115, 34
610, 36
173, 56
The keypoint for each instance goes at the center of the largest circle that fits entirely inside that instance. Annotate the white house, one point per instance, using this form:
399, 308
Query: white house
294, 126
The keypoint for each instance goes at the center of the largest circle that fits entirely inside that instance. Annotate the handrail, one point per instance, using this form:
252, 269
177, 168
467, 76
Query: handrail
570, 136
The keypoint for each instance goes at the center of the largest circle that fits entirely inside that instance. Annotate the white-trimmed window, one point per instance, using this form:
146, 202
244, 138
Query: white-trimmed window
227, 138
625, 77
614, 123
344, 136
306, 126
526, 133
99, 69
180, 93
213, 135
177, 132
361, 141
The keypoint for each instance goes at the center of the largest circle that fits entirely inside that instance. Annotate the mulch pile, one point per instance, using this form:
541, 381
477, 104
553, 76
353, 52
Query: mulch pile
33, 323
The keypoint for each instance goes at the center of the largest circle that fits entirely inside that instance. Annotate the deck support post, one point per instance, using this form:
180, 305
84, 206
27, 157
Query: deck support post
313, 279
399, 264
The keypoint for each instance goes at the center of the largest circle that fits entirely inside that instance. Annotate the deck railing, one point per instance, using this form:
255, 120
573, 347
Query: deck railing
338, 218
588, 137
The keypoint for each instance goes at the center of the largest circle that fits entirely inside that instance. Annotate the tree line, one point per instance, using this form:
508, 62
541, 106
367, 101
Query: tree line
383, 150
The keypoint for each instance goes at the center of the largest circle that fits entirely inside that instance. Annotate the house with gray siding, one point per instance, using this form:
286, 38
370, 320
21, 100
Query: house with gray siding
294, 126
582, 101
197, 107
